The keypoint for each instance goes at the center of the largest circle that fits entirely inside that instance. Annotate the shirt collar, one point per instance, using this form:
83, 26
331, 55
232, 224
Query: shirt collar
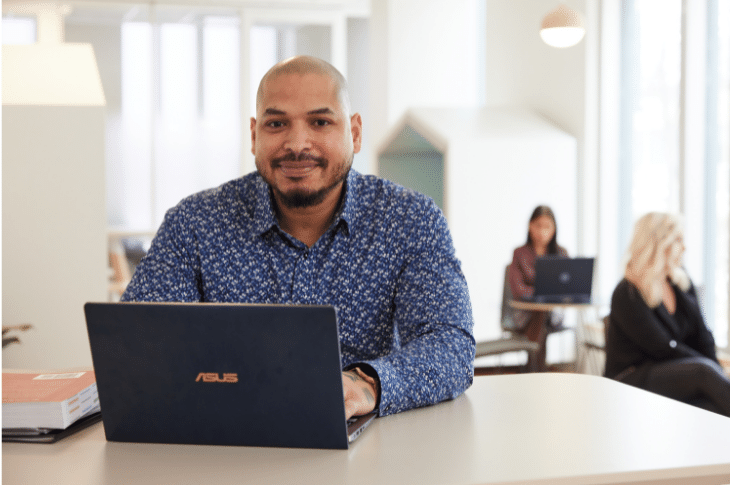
265, 217
348, 211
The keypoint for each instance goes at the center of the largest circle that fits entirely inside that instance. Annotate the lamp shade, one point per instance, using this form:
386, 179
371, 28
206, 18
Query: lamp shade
562, 27
51, 74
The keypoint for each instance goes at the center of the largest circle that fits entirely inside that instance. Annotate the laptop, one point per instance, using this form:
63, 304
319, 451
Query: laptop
563, 280
220, 374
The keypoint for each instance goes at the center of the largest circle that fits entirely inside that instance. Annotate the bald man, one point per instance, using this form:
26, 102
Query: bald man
307, 229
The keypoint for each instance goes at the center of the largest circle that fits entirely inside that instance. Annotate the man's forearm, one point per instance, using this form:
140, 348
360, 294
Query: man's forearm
428, 370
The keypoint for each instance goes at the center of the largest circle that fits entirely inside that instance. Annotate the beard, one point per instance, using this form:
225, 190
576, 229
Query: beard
300, 198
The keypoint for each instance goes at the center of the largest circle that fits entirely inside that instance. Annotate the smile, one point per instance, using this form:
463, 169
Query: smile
298, 169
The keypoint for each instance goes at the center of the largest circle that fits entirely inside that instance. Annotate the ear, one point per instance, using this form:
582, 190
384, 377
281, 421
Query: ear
253, 135
356, 129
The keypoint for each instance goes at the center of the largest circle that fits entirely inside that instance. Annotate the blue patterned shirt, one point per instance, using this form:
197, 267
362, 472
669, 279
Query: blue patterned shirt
386, 263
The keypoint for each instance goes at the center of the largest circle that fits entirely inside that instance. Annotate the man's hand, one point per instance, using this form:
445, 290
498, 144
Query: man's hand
361, 392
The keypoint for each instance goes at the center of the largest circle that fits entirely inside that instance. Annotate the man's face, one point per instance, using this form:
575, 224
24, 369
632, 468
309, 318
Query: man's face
303, 139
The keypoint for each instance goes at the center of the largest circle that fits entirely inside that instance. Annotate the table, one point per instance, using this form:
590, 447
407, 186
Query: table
528, 428
546, 307
582, 309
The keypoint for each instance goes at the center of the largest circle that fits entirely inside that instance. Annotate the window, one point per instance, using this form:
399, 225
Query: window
673, 136
18, 30
654, 104
179, 124
718, 162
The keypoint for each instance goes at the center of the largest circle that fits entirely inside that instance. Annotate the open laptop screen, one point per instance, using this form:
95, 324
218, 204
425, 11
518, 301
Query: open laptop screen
222, 374
563, 280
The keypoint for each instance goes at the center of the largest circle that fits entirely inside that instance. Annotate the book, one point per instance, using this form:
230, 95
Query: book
46, 435
36, 401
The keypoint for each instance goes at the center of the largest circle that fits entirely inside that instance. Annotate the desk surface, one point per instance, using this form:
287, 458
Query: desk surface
534, 306
526, 429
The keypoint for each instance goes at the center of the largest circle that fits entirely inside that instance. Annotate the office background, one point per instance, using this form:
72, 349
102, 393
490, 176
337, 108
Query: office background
637, 114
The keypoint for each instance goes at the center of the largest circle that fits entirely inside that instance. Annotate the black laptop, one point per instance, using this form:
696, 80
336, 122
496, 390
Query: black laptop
563, 280
220, 374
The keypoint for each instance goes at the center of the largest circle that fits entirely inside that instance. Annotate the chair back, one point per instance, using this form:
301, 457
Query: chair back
507, 320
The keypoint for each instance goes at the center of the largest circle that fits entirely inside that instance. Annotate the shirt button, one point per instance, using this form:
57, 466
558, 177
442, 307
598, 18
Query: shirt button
672, 343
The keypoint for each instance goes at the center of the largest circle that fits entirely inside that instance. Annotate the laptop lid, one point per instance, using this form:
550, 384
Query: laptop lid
219, 374
563, 280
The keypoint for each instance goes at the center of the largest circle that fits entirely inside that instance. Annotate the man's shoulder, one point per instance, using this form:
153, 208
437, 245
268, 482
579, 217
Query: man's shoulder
241, 191
383, 194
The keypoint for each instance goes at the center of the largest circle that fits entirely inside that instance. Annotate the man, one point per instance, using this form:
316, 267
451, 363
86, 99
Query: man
306, 229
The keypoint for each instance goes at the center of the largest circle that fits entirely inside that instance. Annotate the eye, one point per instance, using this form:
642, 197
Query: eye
275, 124
321, 123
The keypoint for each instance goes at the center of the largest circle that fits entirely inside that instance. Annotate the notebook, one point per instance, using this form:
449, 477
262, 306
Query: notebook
563, 280
220, 374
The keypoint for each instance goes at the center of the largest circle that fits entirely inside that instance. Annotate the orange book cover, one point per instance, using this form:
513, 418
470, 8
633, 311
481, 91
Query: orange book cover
35, 387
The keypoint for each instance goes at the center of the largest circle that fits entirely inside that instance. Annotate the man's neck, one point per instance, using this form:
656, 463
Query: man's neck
307, 224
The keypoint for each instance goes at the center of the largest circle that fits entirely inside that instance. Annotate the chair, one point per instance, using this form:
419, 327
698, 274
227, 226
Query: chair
510, 341
120, 273
595, 349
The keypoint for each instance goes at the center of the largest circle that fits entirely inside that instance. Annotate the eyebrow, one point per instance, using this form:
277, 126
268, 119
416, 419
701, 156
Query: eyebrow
278, 112
321, 111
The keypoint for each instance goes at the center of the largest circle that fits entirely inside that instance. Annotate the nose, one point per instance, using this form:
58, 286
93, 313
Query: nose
298, 139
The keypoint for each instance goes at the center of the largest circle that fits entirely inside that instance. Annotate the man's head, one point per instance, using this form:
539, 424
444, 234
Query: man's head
303, 137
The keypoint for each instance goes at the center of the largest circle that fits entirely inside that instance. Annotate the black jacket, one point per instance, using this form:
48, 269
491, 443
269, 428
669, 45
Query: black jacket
638, 336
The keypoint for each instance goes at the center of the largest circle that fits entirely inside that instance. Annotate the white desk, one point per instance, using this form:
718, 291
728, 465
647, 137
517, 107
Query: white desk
546, 307
517, 429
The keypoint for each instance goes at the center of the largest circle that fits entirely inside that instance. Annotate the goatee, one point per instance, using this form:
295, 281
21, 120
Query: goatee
307, 198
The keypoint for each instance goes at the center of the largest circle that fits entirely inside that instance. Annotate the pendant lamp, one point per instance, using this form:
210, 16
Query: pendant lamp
562, 27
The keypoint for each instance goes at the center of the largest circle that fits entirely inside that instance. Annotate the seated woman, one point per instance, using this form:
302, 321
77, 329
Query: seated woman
542, 240
656, 338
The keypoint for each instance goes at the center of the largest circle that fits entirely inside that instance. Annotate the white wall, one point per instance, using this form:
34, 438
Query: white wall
557, 83
560, 84
523, 70
54, 231
423, 53
489, 214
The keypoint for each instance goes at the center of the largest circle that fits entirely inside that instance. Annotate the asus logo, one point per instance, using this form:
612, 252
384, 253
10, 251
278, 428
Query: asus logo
214, 377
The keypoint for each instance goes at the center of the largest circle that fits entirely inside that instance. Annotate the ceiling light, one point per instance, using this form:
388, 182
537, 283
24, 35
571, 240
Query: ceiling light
562, 27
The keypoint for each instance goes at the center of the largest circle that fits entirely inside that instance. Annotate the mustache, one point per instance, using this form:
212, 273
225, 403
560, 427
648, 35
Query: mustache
298, 157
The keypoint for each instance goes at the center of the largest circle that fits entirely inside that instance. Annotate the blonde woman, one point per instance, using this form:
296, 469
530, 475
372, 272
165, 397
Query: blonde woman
657, 339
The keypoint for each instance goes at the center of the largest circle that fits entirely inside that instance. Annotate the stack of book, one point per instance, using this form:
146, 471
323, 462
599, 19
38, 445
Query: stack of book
44, 408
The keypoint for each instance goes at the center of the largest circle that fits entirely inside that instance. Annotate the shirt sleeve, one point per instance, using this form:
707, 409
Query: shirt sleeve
171, 269
433, 319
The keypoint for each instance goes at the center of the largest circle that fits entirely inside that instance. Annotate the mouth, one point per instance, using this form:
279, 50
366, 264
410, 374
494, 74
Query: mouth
298, 168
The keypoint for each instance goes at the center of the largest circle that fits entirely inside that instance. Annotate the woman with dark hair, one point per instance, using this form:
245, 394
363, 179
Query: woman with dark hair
657, 339
542, 240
